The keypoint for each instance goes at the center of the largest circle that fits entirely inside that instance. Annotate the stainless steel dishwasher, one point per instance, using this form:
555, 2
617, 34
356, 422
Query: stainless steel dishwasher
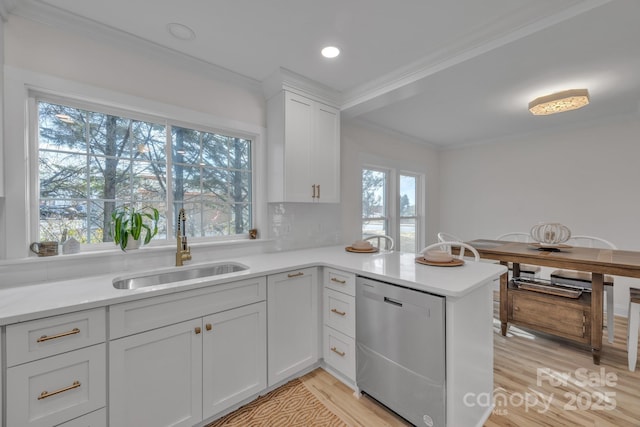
400, 350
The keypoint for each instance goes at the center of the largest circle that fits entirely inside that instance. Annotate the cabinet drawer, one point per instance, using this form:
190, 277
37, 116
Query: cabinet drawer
555, 315
40, 338
340, 281
50, 391
339, 352
340, 312
95, 419
138, 316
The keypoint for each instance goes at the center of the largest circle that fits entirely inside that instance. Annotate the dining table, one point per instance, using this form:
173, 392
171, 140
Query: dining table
596, 261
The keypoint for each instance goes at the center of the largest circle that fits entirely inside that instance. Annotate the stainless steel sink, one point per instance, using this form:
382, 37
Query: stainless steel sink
177, 275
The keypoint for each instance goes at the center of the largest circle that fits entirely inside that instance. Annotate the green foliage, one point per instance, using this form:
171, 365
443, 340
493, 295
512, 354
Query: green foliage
128, 221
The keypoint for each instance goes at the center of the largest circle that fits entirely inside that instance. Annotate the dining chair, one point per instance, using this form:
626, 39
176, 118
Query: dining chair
526, 270
446, 246
448, 237
583, 279
388, 241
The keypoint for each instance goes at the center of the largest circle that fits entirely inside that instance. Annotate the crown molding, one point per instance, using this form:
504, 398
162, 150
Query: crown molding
405, 82
288, 80
46, 14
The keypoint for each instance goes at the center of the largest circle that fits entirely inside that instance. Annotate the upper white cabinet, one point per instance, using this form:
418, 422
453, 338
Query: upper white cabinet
303, 149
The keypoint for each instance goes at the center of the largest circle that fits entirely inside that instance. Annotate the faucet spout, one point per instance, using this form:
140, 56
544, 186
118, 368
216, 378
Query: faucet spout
183, 252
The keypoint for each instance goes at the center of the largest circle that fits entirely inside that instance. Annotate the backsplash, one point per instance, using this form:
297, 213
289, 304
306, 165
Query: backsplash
290, 226
304, 225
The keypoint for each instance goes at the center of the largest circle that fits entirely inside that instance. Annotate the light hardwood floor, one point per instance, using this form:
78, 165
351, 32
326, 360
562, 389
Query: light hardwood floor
559, 379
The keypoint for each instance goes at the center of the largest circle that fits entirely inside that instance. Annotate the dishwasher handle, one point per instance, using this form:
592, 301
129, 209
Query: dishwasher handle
392, 301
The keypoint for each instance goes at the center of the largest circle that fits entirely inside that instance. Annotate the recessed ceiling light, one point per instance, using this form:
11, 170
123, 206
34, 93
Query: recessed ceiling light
181, 31
559, 102
330, 52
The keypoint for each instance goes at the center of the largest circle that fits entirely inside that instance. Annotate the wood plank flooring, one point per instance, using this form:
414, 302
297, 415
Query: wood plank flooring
558, 380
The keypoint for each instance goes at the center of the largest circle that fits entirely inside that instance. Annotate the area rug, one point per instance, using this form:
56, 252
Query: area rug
291, 405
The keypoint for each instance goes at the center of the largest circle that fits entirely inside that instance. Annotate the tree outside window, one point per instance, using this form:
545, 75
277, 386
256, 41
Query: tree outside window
90, 162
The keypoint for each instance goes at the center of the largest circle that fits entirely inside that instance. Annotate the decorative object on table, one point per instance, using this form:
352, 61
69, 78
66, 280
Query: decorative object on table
128, 224
439, 254
70, 246
362, 246
253, 233
550, 234
389, 244
44, 248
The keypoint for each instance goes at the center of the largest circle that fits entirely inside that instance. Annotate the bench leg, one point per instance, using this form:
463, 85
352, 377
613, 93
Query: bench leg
632, 335
610, 320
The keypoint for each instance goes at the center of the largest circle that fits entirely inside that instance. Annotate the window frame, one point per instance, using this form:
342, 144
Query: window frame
34, 96
393, 203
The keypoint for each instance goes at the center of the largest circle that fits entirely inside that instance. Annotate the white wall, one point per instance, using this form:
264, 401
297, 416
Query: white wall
584, 178
364, 145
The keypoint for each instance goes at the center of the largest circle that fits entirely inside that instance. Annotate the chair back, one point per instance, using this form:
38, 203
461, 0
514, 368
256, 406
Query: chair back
515, 236
388, 241
591, 242
446, 246
448, 237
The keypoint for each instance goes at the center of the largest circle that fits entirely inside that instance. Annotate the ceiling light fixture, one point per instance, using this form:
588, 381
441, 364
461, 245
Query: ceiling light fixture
330, 52
181, 31
559, 102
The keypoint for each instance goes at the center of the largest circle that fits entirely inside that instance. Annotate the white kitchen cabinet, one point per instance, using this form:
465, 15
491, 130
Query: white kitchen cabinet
94, 419
339, 319
180, 374
56, 389
235, 357
303, 149
156, 377
56, 368
292, 307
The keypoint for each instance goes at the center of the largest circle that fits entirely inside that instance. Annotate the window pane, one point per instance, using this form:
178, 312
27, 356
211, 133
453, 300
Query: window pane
408, 235
374, 191
374, 227
407, 195
91, 162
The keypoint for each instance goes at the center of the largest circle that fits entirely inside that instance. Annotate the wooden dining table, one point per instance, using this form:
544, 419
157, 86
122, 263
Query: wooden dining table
594, 260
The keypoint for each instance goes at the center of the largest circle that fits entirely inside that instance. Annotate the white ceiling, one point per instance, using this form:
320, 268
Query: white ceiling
447, 72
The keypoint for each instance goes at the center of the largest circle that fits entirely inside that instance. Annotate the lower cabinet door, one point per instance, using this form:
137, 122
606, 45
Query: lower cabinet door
234, 357
156, 377
50, 391
292, 300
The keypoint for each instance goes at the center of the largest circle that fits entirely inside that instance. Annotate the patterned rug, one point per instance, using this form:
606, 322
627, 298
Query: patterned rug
291, 405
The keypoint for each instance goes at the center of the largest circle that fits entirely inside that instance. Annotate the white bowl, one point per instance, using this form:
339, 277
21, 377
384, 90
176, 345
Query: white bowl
438, 256
361, 244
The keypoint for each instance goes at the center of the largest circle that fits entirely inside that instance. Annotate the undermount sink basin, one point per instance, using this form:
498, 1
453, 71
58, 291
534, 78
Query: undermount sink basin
177, 275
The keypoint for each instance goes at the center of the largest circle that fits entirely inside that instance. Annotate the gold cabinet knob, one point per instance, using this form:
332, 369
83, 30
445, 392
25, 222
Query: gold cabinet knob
198, 330
208, 326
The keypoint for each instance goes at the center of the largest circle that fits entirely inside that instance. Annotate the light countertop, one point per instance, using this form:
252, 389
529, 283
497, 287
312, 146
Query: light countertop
28, 302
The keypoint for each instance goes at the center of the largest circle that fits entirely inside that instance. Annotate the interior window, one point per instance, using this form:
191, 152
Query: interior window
90, 162
375, 217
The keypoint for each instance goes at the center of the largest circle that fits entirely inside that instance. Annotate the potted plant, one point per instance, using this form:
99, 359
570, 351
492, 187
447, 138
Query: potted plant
128, 223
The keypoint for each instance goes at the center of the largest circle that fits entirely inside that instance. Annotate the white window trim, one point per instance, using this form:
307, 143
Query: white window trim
393, 202
21, 197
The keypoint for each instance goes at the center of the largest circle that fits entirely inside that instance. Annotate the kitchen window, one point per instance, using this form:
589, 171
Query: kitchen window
91, 160
391, 205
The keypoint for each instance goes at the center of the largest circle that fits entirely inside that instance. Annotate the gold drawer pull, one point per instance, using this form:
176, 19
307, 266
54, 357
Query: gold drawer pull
53, 337
46, 394
338, 352
336, 311
198, 330
298, 274
342, 282
208, 326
